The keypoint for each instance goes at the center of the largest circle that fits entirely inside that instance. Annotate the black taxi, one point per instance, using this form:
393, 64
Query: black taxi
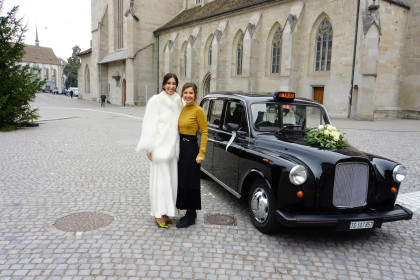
256, 150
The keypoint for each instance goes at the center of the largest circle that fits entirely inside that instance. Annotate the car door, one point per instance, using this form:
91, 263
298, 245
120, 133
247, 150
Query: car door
213, 108
229, 141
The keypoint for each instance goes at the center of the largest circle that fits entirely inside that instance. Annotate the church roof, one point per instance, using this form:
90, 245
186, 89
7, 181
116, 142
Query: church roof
220, 7
212, 9
38, 54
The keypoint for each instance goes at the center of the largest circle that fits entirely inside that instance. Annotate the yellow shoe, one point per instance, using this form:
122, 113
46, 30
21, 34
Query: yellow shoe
168, 220
161, 226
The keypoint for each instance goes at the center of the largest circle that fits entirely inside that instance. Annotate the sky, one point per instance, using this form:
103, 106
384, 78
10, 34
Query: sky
62, 24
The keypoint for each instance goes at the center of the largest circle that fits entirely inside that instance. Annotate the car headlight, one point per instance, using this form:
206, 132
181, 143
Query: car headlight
399, 173
298, 175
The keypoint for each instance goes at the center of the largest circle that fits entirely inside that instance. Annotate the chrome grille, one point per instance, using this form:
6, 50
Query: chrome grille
350, 184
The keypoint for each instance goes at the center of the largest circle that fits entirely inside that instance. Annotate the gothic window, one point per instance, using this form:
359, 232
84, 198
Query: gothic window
239, 55
323, 46
276, 52
197, 1
47, 74
209, 54
206, 84
120, 25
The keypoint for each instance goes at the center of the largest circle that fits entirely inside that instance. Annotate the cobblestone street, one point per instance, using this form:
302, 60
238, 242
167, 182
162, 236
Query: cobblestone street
81, 159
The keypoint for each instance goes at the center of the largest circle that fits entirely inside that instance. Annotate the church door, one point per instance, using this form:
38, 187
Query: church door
319, 94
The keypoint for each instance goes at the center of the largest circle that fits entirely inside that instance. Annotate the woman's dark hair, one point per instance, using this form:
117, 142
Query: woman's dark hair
167, 77
190, 85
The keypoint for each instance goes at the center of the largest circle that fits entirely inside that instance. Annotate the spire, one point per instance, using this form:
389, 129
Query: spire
36, 39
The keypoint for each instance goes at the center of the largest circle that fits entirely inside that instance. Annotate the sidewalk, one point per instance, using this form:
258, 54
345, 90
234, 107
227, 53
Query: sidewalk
74, 206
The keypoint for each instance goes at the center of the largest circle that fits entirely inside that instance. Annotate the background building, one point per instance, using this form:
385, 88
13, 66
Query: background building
258, 46
44, 64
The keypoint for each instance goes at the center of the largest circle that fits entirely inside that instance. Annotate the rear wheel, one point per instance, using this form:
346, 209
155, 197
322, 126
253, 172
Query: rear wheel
262, 207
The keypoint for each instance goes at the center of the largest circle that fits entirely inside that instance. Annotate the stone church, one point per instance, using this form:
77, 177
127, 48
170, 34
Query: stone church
44, 64
358, 58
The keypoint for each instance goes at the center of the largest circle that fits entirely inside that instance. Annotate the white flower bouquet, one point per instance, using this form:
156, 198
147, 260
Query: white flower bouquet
326, 136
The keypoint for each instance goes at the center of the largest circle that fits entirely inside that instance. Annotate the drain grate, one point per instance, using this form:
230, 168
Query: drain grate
220, 219
83, 221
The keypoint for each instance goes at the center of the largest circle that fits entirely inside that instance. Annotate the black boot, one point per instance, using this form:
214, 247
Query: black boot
194, 213
187, 220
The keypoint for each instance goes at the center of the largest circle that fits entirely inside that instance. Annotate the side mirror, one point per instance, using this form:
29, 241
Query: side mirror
232, 126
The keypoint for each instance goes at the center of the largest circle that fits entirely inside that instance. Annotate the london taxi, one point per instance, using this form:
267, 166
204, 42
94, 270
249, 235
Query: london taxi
256, 150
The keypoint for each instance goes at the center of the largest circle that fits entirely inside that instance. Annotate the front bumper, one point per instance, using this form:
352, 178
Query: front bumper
341, 221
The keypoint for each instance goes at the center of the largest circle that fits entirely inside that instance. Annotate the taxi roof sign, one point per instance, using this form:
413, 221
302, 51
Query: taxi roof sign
284, 95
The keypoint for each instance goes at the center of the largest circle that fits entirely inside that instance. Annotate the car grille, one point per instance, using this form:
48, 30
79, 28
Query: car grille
350, 184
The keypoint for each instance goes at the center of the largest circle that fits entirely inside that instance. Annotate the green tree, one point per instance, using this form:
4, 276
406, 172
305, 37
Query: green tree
72, 68
17, 85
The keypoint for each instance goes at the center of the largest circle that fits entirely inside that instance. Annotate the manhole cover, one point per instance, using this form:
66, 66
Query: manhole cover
83, 221
220, 219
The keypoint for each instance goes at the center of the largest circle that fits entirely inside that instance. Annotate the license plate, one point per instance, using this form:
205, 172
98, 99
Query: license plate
362, 224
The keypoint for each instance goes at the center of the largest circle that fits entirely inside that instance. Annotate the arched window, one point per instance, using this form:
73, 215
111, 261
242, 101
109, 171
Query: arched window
323, 45
47, 74
120, 25
206, 84
239, 55
210, 54
276, 52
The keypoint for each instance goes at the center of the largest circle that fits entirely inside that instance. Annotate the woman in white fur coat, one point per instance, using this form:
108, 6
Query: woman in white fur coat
160, 140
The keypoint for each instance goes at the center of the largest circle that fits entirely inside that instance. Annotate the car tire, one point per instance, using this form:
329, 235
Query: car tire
262, 207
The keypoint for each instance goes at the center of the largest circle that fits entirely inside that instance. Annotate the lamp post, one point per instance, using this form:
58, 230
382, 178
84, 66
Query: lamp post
354, 57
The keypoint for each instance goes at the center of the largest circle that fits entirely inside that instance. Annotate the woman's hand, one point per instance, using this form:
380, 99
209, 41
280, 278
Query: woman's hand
149, 155
199, 159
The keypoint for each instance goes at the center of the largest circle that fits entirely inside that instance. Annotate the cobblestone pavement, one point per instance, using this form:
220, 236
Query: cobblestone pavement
81, 159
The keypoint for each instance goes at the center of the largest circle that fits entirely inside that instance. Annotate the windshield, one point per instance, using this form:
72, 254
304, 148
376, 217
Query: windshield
274, 116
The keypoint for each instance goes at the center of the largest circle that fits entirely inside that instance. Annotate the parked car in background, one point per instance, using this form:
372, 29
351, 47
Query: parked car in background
258, 149
75, 91
63, 90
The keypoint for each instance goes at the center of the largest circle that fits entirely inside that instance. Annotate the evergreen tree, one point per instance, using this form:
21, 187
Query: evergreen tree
17, 85
72, 68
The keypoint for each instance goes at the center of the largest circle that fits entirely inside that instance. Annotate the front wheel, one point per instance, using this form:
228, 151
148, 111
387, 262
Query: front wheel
262, 207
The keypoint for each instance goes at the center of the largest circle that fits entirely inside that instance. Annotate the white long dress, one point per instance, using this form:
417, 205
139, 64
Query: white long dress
160, 137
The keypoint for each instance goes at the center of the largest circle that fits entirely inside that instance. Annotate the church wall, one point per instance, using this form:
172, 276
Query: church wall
115, 86
393, 22
336, 81
409, 98
145, 75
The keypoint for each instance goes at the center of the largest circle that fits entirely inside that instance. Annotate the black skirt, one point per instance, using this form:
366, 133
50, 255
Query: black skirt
188, 196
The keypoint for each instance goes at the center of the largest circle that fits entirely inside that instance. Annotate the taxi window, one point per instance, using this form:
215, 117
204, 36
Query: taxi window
235, 114
216, 113
272, 116
206, 106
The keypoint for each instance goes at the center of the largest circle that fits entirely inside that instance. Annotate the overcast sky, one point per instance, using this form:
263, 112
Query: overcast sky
62, 24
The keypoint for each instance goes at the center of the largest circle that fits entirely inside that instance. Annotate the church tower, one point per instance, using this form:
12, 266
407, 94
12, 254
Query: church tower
36, 39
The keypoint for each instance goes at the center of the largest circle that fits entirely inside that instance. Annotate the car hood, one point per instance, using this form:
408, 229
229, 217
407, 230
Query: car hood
295, 149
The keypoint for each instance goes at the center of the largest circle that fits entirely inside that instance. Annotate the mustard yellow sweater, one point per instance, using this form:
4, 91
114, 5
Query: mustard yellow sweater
191, 120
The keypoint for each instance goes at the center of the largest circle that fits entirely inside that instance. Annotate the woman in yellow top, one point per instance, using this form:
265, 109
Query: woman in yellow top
191, 120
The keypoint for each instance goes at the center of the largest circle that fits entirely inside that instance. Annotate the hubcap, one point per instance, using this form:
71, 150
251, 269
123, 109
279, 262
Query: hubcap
259, 205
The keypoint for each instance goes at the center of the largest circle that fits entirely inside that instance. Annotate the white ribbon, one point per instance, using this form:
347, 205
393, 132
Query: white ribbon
231, 140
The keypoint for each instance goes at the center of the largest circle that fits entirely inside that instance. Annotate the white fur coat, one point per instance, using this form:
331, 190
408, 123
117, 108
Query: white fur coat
159, 134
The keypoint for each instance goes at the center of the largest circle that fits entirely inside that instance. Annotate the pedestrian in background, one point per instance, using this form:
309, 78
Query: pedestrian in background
71, 93
160, 140
103, 98
192, 119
